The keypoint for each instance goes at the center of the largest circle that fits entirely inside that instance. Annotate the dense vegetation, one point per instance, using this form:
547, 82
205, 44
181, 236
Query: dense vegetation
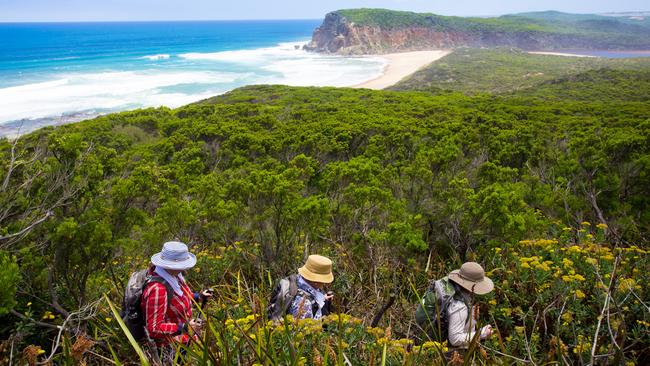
503, 70
550, 194
615, 32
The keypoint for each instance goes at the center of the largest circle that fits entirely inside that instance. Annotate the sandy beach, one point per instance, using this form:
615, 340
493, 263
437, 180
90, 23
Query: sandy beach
401, 65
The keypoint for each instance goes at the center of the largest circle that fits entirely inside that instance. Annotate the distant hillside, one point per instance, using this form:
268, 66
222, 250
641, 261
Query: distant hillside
603, 84
504, 70
376, 31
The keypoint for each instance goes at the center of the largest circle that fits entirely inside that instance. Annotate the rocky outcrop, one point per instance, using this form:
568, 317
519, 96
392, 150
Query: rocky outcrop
338, 35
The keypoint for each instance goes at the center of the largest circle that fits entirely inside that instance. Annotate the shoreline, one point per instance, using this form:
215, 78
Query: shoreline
400, 65
397, 67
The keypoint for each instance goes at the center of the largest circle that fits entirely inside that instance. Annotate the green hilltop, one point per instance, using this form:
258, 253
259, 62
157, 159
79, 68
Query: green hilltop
504, 70
606, 31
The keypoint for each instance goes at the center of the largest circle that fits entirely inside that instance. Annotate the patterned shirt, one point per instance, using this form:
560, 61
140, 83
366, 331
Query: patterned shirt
307, 299
164, 323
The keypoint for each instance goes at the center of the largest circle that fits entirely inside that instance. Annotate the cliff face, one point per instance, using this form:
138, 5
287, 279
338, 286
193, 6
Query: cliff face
338, 35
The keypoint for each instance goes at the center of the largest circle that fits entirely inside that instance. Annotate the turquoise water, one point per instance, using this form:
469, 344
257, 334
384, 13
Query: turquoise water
50, 72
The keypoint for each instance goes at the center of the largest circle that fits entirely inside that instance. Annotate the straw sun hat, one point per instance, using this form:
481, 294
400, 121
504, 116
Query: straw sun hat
317, 269
471, 277
174, 256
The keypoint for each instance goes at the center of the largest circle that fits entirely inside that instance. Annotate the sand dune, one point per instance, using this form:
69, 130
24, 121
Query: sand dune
401, 65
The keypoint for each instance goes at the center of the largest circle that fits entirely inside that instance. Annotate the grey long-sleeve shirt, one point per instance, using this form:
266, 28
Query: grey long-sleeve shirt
461, 332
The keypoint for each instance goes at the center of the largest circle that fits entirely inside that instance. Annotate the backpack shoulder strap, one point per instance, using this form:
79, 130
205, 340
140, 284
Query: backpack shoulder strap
293, 286
160, 280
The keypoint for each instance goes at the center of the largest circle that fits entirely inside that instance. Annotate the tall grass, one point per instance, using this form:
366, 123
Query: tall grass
549, 297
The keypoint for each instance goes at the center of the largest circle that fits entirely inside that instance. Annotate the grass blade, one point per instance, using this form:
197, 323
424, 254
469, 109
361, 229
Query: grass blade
136, 346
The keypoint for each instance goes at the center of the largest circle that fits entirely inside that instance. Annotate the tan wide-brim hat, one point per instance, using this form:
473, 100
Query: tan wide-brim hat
471, 277
317, 269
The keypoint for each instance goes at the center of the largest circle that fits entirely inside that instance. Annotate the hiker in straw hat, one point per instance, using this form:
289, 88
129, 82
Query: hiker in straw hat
469, 280
303, 295
168, 318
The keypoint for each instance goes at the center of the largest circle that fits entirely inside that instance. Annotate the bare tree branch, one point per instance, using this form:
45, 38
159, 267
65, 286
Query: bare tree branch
53, 295
602, 312
28, 228
12, 161
42, 324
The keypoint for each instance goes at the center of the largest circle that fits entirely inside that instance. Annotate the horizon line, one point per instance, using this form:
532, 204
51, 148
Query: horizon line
147, 21
605, 13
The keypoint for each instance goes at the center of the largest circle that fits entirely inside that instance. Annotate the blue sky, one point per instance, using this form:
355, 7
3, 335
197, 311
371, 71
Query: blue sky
95, 10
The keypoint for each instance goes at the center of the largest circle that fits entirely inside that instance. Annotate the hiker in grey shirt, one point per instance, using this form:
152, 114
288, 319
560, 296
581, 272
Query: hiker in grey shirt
470, 279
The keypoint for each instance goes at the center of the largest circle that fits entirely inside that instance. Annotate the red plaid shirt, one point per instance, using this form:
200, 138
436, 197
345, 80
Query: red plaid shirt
164, 323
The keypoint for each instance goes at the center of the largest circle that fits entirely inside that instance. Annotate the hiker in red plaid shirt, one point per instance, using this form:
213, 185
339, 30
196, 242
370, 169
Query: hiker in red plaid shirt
168, 324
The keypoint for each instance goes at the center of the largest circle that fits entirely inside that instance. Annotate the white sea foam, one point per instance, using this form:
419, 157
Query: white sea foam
289, 64
108, 91
194, 76
162, 56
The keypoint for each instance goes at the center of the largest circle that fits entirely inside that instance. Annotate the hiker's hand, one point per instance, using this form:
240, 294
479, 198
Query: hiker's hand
196, 326
329, 296
486, 332
207, 294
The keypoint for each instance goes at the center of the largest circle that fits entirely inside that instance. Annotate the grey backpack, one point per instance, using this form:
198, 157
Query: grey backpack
431, 313
132, 313
283, 294
282, 297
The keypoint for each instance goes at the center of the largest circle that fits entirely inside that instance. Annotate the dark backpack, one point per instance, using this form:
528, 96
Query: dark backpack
431, 313
132, 313
285, 291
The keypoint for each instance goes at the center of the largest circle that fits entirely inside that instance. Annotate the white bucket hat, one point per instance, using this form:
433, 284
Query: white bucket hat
174, 256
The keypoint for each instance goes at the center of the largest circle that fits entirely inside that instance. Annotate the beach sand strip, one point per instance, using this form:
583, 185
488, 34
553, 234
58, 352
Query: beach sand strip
401, 65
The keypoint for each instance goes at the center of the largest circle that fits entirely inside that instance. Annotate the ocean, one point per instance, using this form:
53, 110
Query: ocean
53, 73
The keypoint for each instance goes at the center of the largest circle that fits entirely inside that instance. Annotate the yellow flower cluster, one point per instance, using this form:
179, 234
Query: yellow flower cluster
547, 244
627, 285
573, 277
341, 318
535, 262
582, 345
643, 323
435, 346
